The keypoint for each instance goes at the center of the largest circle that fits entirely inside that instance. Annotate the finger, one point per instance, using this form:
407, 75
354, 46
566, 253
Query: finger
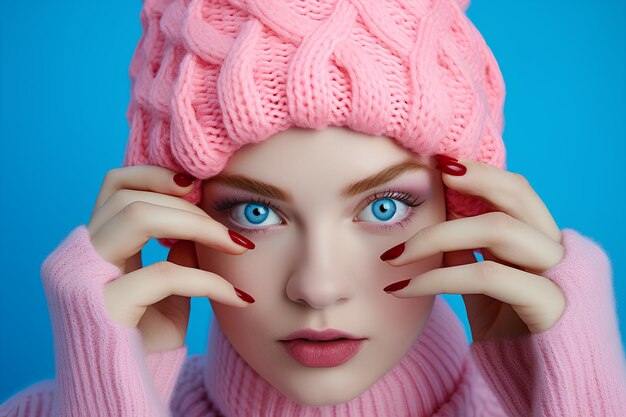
528, 294
132, 293
506, 237
182, 253
163, 279
488, 255
140, 177
463, 257
129, 230
124, 197
507, 191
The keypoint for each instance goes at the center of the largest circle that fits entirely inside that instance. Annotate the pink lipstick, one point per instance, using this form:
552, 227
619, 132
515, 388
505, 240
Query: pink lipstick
322, 349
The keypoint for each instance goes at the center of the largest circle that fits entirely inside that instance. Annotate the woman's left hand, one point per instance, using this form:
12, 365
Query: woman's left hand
505, 295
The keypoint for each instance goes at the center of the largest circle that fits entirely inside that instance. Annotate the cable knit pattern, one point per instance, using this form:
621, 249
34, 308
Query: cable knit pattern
576, 368
210, 76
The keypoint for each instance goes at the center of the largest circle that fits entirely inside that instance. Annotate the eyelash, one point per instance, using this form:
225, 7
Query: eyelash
403, 197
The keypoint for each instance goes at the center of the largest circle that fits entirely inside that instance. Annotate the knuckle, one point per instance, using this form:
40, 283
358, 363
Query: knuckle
515, 190
163, 270
112, 175
121, 197
163, 267
520, 180
487, 272
135, 212
136, 215
499, 220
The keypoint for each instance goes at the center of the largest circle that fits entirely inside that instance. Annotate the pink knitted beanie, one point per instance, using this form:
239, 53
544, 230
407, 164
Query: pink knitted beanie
210, 76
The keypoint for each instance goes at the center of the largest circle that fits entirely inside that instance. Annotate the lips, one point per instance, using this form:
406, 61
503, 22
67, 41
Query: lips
321, 335
322, 348
322, 354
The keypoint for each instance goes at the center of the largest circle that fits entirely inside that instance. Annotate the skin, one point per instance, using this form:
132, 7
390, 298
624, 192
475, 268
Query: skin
318, 267
317, 263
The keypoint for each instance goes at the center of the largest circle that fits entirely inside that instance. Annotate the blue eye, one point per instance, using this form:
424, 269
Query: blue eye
253, 214
384, 209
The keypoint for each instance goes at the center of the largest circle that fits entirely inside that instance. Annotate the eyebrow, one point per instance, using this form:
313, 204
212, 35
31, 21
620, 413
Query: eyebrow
268, 190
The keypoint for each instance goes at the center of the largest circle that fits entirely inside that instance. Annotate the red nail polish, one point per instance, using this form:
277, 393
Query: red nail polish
445, 158
397, 286
240, 240
183, 180
244, 296
393, 253
452, 168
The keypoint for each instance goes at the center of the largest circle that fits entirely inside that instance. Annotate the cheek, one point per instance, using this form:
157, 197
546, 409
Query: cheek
259, 272
398, 321
249, 272
389, 309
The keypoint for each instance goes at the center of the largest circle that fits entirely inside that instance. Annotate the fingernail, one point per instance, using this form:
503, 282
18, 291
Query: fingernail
183, 180
397, 286
445, 158
452, 167
393, 253
240, 240
244, 296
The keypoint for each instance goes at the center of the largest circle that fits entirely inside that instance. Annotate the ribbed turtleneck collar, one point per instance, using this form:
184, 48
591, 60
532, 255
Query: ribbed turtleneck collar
436, 368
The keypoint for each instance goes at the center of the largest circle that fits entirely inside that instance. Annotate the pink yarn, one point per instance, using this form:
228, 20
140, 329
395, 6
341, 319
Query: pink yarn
210, 76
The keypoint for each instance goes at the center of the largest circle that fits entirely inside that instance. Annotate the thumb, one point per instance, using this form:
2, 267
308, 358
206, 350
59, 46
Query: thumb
183, 253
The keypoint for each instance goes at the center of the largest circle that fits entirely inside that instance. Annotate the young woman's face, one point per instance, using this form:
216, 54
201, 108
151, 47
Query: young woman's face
317, 258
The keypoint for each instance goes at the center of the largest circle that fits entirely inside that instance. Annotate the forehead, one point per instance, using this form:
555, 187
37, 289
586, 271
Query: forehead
333, 155
357, 187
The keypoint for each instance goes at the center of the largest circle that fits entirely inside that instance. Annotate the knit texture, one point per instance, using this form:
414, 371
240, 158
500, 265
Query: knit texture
576, 368
210, 76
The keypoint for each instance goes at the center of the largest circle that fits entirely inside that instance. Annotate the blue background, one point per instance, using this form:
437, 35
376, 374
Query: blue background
65, 88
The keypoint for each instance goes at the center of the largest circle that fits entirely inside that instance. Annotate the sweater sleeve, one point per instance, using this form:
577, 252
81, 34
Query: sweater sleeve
101, 366
578, 366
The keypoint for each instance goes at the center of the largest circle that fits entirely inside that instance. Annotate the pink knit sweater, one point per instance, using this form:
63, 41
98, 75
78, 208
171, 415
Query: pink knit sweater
577, 368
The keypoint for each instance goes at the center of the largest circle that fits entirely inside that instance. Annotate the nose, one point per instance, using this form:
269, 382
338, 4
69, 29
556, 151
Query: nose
322, 275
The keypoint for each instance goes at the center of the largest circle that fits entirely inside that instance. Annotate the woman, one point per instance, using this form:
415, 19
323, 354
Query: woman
346, 150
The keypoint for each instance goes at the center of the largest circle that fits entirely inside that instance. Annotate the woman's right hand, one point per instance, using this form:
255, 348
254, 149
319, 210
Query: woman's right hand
141, 202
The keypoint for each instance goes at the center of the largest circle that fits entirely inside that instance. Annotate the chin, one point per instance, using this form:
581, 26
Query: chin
329, 390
